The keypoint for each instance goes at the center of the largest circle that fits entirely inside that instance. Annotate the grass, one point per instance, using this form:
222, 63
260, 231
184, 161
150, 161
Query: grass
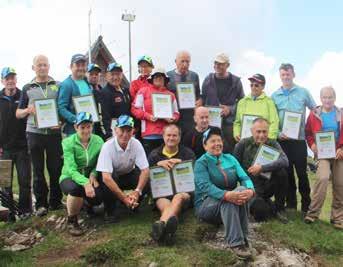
128, 243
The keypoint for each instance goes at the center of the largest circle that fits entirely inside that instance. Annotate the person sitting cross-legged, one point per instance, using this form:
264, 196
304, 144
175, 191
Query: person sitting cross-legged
261, 207
79, 177
166, 156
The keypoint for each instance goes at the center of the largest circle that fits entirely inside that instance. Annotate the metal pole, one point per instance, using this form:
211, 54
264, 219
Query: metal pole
89, 37
130, 51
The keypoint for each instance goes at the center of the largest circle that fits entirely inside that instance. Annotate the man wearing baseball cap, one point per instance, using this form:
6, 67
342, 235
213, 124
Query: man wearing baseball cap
124, 166
75, 85
116, 99
93, 76
223, 89
257, 104
13, 144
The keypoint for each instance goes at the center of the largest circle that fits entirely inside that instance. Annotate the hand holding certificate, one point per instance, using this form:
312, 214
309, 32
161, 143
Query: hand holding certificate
215, 117
185, 95
86, 103
247, 121
291, 124
266, 155
326, 145
162, 106
5, 173
168, 183
46, 113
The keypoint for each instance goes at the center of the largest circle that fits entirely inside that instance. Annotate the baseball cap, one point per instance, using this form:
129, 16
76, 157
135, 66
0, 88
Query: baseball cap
77, 58
92, 67
146, 59
259, 78
125, 120
222, 58
114, 66
209, 132
82, 117
7, 71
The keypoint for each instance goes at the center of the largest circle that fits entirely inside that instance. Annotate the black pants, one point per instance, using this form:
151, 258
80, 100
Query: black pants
21, 161
150, 144
69, 187
261, 206
51, 145
127, 181
296, 151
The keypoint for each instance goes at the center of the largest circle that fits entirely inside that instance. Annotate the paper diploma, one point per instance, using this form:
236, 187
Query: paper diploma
185, 95
215, 118
266, 155
46, 113
162, 106
326, 145
86, 103
291, 124
160, 182
247, 121
184, 177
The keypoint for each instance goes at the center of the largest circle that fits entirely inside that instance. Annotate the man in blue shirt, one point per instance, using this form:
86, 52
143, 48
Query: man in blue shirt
75, 85
293, 98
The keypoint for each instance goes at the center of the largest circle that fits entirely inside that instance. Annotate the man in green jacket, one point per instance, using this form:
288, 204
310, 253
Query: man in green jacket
79, 177
259, 105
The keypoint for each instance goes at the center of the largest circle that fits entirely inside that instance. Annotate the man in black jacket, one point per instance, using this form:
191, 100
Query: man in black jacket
166, 156
13, 145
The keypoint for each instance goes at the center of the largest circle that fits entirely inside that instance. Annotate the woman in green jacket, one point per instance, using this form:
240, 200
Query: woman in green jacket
79, 177
217, 197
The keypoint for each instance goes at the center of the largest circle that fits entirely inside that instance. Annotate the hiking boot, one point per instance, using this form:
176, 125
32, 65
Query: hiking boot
73, 226
41, 211
281, 217
158, 231
338, 225
171, 227
242, 252
308, 219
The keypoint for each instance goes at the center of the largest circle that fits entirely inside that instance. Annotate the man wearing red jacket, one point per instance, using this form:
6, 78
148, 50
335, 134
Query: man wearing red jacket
327, 118
142, 109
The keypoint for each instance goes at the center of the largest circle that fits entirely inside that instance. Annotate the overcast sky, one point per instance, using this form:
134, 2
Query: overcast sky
258, 35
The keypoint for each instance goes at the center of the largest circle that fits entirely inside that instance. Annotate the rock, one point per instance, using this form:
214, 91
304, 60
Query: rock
153, 264
16, 247
51, 219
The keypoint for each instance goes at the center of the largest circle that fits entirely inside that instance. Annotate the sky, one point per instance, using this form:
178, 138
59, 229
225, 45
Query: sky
258, 35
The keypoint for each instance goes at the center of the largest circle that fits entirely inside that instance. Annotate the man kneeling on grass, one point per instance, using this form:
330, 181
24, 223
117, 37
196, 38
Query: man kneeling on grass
166, 156
270, 179
79, 178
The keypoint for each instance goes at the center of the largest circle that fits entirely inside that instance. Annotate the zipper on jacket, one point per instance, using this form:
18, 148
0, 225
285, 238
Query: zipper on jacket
226, 179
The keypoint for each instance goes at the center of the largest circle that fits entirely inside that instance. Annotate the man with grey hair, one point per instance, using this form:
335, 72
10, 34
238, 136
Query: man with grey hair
182, 74
41, 141
266, 186
223, 89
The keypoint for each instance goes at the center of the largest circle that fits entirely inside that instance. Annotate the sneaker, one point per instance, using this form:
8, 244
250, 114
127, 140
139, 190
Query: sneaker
242, 252
158, 231
338, 225
281, 216
41, 211
308, 219
73, 226
171, 227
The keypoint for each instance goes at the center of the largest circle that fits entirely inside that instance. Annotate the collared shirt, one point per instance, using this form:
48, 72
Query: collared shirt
169, 155
297, 100
114, 159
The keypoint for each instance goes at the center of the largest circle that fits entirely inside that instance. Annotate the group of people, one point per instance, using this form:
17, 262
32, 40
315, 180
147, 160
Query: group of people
98, 162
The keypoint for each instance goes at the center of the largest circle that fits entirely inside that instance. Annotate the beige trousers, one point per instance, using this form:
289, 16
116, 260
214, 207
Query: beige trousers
328, 168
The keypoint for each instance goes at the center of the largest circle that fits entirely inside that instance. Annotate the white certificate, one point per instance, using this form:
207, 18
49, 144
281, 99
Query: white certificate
185, 95
160, 182
162, 106
266, 155
215, 117
247, 121
86, 103
291, 124
326, 145
5, 173
183, 177
46, 113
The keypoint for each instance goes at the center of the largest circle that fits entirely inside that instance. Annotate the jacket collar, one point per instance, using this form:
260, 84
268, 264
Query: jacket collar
261, 96
318, 110
50, 81
16, 96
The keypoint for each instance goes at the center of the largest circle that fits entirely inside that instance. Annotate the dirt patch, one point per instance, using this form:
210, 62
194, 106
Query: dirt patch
265, 253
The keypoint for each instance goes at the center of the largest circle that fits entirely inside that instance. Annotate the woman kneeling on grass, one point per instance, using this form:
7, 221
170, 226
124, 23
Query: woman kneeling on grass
217, 197
327, 118
79, 177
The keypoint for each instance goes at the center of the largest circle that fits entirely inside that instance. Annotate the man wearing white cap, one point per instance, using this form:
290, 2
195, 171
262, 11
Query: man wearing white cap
223, 89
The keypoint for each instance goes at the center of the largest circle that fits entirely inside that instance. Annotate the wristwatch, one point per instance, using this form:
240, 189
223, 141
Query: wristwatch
139, 191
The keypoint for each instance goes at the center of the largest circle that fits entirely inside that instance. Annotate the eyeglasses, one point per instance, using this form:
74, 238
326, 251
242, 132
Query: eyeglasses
256, 85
